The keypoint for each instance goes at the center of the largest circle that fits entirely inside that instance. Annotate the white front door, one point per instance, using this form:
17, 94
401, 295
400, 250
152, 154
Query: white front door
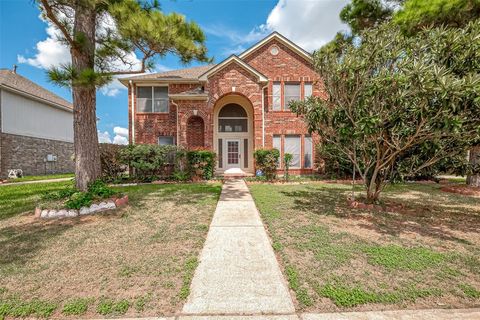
233, 154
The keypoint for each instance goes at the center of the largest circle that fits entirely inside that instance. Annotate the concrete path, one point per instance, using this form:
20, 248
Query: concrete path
238, 272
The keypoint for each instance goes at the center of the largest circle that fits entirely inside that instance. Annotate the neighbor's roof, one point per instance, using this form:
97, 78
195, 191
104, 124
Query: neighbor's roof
179, 75
16, 83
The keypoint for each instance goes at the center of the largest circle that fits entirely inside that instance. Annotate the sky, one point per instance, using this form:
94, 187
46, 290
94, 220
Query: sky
230, 26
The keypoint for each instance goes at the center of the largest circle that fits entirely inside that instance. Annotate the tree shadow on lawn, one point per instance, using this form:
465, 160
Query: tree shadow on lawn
424, 220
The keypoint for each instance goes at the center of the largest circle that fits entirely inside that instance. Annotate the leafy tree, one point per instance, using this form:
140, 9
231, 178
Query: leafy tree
102, 34
391, 105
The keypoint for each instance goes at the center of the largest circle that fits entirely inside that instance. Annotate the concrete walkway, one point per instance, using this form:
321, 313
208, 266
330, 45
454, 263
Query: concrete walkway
238, 272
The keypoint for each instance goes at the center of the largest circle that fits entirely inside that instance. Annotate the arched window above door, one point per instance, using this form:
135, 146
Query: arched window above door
232, 118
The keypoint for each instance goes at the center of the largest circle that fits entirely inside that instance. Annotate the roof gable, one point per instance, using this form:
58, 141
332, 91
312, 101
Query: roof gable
232, 59
277, 36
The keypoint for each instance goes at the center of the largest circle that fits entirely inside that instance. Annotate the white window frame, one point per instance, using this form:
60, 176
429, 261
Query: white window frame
153, 99
277, 94
286, 149
305, 85
286, 99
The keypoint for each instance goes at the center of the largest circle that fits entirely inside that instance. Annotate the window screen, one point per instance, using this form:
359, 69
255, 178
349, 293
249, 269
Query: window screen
276, 96
277, 144
165, 140
232, 118
152, 99
307, 157
308, 89
292, 93
292, 146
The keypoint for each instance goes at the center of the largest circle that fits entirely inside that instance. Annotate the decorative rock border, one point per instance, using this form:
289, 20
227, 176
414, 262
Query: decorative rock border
93, 209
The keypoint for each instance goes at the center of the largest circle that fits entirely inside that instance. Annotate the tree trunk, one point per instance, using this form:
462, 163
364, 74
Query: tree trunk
473, 180
87, 153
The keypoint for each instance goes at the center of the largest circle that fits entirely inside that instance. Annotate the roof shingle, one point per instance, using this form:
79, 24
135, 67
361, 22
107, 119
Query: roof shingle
10, 79
188, 73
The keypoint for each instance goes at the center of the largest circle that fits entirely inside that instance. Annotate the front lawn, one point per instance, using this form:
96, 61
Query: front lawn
43, 177
335, 258
137, 261
15, 199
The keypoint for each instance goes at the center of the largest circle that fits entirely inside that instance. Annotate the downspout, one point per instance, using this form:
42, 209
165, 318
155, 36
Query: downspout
263, 115
133, 110
178, 131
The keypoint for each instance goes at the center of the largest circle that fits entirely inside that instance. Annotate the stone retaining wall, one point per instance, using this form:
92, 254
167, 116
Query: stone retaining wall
29, 154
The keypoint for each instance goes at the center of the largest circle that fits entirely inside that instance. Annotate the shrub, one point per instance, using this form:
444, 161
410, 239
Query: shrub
111, 161
201, 164
267, 161
148, 160
287, 161
76, 307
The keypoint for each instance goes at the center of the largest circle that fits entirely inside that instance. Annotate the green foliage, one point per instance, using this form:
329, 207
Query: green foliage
301, 293
201, 164
267, 161
417, 14
365, 14
470, 291
111, 307
393, 103
111, 161
396, 257
76, 307
189, 269
79, 199
287, 161
148, 160
16, 308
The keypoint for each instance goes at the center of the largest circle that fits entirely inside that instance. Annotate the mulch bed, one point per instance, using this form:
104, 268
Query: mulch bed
462, 189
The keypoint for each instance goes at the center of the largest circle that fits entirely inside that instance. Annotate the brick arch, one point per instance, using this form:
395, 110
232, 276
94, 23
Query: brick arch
195, 132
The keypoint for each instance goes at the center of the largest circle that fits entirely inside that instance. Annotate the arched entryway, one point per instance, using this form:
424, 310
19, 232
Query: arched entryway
233, 134
195, 132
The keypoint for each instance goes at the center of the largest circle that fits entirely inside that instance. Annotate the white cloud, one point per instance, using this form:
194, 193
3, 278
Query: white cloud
120, 131
121, 136
104, 137
308, 23
120, 140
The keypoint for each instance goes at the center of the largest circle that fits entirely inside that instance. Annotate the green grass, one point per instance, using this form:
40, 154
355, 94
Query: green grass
43, 177
189, 269
109, 307
76, 307
15, 199
21, 309
358, 257
396, 257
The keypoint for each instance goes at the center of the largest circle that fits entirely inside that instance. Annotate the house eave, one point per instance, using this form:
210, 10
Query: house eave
188, 97
125, 81
232, 59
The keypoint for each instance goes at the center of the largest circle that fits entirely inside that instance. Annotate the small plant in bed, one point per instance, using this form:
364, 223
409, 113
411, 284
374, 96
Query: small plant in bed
73, 199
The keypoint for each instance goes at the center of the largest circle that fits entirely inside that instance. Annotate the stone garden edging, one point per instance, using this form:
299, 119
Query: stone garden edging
109, 204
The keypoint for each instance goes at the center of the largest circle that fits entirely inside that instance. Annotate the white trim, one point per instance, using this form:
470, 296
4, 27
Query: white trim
282, 39
152, 81
188, 97
263, 115
231, 59
133, 94
36, 98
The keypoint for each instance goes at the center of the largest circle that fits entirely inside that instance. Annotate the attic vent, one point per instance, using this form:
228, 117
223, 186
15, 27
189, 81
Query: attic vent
274, 50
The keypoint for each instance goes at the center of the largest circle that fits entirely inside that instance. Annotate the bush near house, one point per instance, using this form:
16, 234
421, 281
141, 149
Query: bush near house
267, 161
111, 160
201, 164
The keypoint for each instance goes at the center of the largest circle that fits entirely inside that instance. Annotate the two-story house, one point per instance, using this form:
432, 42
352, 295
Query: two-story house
233, 108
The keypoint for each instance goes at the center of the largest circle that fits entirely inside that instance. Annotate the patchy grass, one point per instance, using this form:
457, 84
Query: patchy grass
17, 308
340, 259
16, 199
137, 261
43, 177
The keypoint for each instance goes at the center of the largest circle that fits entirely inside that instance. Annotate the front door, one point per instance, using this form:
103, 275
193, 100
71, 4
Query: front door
233, 155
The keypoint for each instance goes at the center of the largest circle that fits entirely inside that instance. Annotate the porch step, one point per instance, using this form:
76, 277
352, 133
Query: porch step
235, 173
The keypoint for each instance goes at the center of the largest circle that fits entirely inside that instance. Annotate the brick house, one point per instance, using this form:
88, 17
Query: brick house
232, 108
36, 128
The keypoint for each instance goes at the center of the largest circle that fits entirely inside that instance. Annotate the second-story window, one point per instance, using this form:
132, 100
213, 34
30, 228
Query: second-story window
277, 96
307, 90
152, 99
292, 93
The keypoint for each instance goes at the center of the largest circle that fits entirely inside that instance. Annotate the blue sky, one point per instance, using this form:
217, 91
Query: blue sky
231, 26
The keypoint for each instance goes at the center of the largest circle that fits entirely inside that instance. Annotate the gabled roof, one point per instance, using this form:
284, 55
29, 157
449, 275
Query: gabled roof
233, 59
277, 36
179, 75
14, 82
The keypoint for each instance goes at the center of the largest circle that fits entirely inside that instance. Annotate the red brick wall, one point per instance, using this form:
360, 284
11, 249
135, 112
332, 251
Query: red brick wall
195, 132
287, 66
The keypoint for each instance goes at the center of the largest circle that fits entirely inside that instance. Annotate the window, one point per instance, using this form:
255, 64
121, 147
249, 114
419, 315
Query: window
293, 146
232, 118
277, 144
308, 89
166, 140
307, 154
152, 99
277, 96
292, 93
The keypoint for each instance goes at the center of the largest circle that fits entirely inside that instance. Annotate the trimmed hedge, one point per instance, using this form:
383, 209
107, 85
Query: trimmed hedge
201, 164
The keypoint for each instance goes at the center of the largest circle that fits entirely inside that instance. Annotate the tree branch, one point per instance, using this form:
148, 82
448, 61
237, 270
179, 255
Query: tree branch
51, 15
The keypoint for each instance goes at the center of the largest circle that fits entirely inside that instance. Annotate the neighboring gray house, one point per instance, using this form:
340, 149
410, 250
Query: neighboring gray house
36, 128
